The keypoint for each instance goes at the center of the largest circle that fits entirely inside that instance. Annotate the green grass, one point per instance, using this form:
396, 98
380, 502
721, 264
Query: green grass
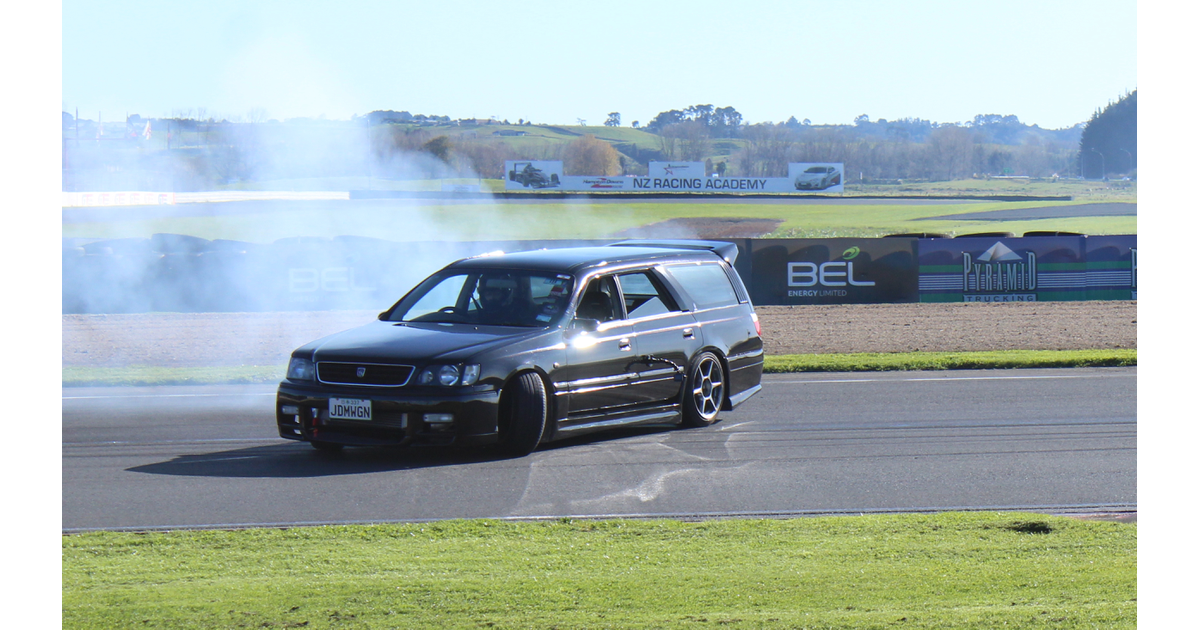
512, 219
135, 376
874, 362
151, 376
950, 570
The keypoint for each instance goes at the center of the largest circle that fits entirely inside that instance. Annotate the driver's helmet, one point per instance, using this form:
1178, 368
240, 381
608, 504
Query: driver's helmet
497, 292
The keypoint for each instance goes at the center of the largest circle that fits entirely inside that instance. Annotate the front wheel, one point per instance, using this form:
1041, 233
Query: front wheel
523, 410
704, 391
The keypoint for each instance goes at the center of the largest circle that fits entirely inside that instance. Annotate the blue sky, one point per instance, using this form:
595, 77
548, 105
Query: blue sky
1050, 64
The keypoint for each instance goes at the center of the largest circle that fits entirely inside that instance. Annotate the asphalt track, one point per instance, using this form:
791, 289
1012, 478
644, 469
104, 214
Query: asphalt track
1057, 441
1051, 212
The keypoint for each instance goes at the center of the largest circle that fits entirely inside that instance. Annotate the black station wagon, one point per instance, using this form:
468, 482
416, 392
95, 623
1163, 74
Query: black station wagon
517, 349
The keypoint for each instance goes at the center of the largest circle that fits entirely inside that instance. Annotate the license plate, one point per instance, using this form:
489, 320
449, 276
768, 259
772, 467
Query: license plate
349, 409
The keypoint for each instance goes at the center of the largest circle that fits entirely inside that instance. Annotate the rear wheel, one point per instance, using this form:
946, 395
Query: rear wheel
523, 410
704, 391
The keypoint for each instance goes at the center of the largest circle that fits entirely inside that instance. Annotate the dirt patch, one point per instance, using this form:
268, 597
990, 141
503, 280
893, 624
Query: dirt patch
231, 339
957, 327
711, 228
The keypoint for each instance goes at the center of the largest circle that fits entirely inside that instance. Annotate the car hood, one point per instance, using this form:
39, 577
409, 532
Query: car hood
387, 341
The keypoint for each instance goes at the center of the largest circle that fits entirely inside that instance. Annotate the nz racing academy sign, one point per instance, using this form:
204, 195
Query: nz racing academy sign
674, 177
978, 269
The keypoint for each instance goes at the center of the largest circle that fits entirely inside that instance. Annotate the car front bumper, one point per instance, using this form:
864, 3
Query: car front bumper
398, 418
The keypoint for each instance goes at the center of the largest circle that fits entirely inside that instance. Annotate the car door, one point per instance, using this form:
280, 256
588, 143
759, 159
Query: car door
601, 364
666, 336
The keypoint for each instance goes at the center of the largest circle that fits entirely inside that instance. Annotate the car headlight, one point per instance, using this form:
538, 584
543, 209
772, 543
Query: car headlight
449, 375
300, 369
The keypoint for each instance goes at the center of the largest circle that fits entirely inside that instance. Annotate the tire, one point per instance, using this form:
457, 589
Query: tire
523, 411
327, 447
704, 390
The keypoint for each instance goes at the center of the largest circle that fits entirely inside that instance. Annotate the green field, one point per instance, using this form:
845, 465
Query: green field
867, 362
950, 570
504, 220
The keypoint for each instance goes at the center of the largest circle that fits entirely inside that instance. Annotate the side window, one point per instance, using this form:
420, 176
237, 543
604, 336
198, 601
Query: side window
600, 301
706, 283
643, 296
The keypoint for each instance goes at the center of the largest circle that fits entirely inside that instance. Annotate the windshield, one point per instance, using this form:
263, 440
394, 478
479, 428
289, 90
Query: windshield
493, 297
816, 169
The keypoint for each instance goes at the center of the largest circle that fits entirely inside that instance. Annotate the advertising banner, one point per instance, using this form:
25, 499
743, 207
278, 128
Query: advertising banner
812, 177
1112, 267
535, 174
596, 183
1050, 268
188, 274
833, 271
676, 169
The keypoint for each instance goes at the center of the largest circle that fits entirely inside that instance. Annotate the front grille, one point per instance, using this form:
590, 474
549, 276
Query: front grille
376, 374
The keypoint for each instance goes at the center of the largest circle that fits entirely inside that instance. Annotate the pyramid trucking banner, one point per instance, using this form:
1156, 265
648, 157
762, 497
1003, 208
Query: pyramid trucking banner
1111, 267
803, 178
1029, 269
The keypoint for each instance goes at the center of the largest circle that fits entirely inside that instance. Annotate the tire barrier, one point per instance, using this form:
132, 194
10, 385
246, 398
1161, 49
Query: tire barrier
178, 273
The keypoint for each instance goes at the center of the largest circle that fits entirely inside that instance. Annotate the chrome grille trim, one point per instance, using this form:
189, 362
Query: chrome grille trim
343, 373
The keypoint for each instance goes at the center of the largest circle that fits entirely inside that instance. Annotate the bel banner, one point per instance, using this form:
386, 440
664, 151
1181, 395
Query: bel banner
834, 271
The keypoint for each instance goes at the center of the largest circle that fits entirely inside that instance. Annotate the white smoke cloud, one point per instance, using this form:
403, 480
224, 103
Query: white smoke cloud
279, 72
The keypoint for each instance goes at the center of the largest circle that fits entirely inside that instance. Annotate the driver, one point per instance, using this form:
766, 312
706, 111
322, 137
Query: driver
498, 300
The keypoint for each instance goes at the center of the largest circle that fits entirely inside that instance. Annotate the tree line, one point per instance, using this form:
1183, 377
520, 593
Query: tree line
1108, 143
391, 144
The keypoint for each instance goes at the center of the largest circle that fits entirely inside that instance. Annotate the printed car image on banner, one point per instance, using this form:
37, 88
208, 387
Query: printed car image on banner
1112, 267
524, 174
989, 269
834, 271
812, 177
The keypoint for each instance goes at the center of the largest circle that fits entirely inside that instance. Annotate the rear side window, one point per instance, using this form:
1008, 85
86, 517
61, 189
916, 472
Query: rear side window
706, 283
643, 296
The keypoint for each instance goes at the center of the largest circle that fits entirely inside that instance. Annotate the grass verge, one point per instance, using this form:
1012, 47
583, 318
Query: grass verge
950, 570
134, 376
874, 362
865, 362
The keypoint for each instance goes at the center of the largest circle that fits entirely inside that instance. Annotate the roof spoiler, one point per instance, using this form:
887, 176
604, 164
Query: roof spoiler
726, 250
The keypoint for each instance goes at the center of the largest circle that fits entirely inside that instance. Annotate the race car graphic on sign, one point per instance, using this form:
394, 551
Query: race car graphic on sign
533, 174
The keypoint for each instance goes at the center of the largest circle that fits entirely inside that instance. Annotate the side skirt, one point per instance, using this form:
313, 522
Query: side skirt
740, 398
657, 415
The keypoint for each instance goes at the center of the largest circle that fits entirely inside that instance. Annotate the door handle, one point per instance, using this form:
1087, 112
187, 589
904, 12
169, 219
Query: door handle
688, 334
624, 344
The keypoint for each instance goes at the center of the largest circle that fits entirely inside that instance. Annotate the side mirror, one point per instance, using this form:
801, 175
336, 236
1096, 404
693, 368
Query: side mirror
383, 316
581, 327
579, 333
585, 325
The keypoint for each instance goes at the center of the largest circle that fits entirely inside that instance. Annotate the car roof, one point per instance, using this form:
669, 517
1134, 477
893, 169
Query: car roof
574, 259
